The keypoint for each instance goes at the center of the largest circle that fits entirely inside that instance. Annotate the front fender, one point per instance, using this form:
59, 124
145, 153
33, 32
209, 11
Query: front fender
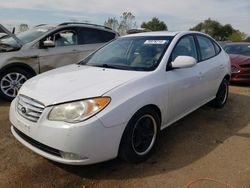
128, 99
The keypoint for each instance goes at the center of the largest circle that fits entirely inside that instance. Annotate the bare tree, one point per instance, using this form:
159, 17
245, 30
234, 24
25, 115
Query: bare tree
127, 22
23, 27
112, 23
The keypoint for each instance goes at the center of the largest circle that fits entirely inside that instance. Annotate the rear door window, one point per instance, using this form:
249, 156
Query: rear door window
92, 36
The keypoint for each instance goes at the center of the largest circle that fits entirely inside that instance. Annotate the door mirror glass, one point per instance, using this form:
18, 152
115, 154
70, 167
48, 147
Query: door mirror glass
48, 43
184, 62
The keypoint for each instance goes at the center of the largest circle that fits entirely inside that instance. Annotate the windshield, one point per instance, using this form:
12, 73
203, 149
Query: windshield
131, 53
242, 49
25, 37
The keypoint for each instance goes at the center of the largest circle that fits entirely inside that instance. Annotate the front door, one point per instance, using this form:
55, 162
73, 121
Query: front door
184, 84
64, 51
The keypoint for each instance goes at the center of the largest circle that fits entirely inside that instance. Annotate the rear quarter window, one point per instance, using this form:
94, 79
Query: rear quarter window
207, 48
217, 48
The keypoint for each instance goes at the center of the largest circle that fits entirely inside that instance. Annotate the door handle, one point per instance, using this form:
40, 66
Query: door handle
75, 50
33, 57
200, 75
222, 66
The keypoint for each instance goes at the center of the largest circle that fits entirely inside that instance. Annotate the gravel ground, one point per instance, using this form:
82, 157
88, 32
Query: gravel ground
206, 144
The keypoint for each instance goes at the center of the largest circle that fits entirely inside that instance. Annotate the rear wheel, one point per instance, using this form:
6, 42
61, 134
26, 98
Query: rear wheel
140, 136
11, 81
222, 95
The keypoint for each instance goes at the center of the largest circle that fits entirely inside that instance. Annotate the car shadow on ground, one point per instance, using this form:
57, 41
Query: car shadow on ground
240, 84
4, 103
181, 144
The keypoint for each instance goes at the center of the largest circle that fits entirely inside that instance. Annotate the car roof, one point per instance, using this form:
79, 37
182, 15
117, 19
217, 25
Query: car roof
76, 24
86, 25
162, 33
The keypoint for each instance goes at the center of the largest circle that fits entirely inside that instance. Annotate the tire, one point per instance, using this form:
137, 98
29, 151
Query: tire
222, 95
140, 136
11, 81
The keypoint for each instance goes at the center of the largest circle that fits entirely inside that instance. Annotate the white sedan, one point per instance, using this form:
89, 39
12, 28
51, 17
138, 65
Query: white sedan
115, 102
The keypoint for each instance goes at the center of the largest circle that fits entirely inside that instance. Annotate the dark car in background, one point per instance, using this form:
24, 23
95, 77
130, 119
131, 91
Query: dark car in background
240, 61
43, 48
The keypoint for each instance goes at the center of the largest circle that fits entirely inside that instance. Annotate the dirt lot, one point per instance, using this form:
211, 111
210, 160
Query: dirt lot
207, 143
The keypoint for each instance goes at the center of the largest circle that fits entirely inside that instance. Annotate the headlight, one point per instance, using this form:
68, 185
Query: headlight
234, 69
78, 111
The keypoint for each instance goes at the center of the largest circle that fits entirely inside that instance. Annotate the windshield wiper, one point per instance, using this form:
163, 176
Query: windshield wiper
110, 66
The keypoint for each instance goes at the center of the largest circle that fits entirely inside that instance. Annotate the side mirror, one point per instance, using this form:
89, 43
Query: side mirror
184, 62
48, 44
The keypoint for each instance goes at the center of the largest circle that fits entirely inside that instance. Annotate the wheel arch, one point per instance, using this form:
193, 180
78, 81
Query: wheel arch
18, 65
155, 108
227, 77
151, 106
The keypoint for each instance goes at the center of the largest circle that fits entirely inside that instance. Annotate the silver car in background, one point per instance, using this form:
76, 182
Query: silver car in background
43, 48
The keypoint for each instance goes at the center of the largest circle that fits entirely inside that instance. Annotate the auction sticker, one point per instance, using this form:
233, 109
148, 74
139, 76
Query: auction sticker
155, 41
42, 30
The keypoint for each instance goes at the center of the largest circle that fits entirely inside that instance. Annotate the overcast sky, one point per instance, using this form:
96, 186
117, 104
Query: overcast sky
178, 14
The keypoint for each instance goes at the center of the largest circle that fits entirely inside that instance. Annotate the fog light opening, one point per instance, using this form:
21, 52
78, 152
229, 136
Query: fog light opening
234, 69
71, 156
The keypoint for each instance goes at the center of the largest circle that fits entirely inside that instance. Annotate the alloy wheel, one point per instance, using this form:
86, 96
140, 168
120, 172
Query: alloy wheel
144, 134
11, 83
222, 94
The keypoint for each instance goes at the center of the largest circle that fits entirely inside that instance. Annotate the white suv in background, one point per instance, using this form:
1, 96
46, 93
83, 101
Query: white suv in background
43, 48
116, 101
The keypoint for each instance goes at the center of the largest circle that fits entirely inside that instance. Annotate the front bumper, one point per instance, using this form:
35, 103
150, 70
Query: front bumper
241, 77
90, 140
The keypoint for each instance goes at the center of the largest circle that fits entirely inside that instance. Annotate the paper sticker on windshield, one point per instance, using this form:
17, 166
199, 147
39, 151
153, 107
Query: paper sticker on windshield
155, 41
42, 30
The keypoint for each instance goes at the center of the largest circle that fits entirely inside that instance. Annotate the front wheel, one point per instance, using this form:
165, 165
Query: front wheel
140, 136
11, 81
222, 95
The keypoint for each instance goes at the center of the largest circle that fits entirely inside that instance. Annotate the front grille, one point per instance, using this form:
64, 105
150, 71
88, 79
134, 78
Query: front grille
245, 66
37, 144
29, 108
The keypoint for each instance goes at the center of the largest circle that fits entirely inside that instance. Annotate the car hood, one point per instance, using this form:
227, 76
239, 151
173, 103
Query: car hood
239, 59
75, 82
2, 34
7, 32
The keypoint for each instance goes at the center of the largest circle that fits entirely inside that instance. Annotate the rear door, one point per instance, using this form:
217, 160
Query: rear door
211, 66
63, 53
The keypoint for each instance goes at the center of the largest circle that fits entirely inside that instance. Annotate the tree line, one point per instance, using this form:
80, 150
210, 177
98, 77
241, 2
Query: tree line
211, 27
220, 32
